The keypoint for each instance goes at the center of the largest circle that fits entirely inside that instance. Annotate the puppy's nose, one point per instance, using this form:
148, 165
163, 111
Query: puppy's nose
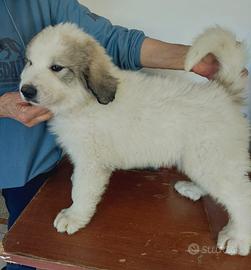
29, 91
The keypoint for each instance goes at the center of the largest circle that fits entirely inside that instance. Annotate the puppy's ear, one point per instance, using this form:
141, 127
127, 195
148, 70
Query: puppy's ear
96, 72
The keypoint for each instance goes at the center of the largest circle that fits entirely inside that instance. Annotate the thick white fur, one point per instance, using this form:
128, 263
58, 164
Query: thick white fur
153, 121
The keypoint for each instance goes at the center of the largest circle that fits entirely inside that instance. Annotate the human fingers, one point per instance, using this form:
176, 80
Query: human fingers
30, 115
39, 119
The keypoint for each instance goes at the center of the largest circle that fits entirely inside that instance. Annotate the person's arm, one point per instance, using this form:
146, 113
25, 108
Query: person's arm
159, 54
12, 106
129, 49
122, 44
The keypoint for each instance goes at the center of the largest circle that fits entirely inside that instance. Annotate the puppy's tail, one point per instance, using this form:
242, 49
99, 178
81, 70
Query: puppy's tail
231, 56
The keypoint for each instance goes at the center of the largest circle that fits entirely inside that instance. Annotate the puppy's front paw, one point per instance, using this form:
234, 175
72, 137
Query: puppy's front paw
231, 243
70, 221
189, 190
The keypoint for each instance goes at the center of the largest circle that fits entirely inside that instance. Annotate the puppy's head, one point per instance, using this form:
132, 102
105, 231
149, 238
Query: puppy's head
66, 67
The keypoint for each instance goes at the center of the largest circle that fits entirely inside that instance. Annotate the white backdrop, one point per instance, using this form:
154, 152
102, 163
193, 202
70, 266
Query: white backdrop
178, 21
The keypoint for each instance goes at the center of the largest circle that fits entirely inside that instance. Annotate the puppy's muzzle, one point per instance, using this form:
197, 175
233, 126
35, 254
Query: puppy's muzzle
29, 92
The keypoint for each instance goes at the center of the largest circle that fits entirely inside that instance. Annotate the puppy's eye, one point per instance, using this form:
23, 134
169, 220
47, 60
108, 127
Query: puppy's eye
56, 68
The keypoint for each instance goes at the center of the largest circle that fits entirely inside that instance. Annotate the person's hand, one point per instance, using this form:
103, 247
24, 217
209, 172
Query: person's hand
207, 67
13, 106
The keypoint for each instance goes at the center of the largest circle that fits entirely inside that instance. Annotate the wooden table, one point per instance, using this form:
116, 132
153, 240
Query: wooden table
141, 224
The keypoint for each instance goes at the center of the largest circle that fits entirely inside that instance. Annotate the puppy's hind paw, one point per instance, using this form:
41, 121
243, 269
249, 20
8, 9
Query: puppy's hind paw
231, 244
69, 221
189, 190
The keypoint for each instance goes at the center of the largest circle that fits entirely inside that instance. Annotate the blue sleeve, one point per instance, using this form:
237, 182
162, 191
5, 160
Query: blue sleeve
121, 44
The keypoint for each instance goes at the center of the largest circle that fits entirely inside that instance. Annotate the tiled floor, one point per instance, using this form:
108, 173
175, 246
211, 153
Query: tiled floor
3, 230
3, 227
2, 263
3, 210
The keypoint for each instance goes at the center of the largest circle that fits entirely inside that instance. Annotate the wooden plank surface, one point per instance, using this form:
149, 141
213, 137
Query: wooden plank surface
141, 224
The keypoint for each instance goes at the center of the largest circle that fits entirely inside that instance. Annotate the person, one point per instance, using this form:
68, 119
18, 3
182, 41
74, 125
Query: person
29, 152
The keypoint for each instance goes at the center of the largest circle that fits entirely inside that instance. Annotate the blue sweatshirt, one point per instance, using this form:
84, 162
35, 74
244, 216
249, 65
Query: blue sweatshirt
26, 152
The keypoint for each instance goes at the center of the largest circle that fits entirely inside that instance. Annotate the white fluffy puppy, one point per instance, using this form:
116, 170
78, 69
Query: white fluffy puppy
108, 119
